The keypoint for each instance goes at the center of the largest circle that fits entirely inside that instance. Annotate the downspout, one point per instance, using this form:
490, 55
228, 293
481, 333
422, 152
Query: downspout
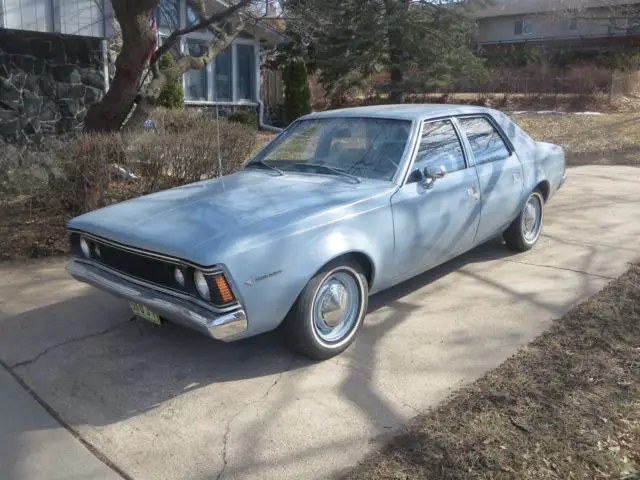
261, 123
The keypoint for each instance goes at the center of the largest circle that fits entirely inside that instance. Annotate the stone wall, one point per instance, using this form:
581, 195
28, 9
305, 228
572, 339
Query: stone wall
47, 83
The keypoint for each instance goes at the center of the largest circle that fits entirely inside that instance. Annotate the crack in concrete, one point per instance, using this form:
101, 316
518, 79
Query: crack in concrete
227, 433
66, 342
566, 269
73, 432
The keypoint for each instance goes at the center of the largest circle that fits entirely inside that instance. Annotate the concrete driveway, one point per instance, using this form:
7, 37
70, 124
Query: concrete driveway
170, 404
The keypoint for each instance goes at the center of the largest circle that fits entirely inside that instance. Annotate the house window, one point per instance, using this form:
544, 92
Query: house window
192, 16
222, 80
175, 48
523, 27
168, 14
246, 65
195, 81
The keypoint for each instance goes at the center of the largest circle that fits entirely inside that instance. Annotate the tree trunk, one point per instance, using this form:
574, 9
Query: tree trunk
396, 51
395, 85
138, 40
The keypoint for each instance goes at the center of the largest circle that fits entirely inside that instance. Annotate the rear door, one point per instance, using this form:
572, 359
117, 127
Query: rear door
499, 172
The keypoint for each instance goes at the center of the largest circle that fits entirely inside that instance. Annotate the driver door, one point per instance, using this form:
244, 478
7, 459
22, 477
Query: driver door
435, 220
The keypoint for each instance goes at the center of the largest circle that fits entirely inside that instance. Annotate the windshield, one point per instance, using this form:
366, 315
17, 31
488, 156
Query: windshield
354, 147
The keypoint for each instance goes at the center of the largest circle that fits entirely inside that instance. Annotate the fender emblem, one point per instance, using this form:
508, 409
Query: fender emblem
251, 281
516, 177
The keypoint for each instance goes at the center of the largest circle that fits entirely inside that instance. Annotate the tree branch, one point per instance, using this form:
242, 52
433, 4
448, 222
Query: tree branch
205, 21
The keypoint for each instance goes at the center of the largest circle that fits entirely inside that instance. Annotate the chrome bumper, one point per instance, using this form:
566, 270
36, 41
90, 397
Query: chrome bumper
219, 326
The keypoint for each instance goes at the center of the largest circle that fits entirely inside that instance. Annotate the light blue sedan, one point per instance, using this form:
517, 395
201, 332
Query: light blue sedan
340, 205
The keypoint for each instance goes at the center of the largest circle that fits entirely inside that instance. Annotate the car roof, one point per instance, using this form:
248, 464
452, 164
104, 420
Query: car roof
411, 112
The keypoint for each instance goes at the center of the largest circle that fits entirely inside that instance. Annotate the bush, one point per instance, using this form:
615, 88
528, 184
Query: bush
244, 117
185, 149
296, 90
76, 175
41, 187
85, 164
172, 96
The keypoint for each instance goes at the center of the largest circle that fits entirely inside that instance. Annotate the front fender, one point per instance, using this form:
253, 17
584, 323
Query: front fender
269, 278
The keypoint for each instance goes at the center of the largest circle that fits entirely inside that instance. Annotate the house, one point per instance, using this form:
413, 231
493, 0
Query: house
561, 24
233, 78
54, 63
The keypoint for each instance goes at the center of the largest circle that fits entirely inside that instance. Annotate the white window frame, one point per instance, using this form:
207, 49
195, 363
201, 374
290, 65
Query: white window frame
211, 98
524, 21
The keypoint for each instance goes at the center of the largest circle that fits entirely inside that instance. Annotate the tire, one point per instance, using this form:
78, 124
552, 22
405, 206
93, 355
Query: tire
304, 329
519, 236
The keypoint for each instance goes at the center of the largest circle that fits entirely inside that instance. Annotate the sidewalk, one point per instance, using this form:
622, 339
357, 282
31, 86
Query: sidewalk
34, 446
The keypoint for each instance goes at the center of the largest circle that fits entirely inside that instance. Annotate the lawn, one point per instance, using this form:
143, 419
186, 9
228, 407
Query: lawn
567, 406
607, 139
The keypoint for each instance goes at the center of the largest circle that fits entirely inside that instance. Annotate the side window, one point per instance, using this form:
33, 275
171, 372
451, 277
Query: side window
486, 143
440, 145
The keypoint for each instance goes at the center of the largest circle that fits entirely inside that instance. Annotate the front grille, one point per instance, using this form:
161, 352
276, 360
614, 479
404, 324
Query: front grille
135, 265
138, 266
148, 269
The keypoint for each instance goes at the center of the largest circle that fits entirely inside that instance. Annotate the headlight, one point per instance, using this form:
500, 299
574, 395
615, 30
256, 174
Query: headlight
84, 246
179, 276
201, 285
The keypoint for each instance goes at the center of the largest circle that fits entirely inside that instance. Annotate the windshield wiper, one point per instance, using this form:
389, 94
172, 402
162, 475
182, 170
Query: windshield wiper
265, 164
337, 170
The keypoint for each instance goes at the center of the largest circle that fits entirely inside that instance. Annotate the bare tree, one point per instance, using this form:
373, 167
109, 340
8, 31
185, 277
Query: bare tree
139, 55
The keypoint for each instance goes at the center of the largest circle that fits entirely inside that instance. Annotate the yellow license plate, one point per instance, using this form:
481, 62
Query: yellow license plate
144, 313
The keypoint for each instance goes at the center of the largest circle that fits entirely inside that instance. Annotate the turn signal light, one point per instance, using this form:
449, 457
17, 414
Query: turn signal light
223, 289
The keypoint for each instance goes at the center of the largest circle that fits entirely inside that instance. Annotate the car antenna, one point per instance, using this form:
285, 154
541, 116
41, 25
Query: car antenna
218, 146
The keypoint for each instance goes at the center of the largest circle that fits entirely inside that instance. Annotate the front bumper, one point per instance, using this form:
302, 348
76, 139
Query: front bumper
221, 326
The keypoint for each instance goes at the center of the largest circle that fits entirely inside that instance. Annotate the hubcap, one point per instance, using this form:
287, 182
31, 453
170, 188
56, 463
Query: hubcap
336, 307
531, 218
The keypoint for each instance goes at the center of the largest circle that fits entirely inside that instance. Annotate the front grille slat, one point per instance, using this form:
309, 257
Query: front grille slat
138, 266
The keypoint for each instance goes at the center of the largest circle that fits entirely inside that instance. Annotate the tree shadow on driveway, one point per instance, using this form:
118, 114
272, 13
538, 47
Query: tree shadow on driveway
108, 354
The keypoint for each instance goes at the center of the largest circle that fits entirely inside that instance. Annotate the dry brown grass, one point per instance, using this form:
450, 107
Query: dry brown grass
607, 139
567, 406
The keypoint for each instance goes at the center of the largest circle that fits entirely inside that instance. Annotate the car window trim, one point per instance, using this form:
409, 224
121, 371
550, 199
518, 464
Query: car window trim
414, 155
507, 143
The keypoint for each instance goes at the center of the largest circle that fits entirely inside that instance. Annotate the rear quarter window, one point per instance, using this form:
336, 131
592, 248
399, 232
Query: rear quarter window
486, 143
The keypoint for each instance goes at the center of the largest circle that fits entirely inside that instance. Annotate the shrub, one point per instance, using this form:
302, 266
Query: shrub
85, 164
76, 175
244, 117
178, 121
185, 150
296, 90
172, 96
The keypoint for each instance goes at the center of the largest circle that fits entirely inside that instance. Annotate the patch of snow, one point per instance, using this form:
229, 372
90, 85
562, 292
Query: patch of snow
550, 112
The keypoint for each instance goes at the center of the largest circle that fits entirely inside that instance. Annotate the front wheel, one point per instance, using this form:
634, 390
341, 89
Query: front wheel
325, 318
524, 231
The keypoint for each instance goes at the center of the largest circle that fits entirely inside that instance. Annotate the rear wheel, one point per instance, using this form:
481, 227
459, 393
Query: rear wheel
325, 318
524, 231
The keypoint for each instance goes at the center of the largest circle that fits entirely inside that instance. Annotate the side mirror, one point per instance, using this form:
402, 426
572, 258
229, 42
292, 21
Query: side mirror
433, 173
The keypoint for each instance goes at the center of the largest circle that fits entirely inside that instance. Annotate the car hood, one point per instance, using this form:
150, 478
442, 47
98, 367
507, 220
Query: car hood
248, 203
